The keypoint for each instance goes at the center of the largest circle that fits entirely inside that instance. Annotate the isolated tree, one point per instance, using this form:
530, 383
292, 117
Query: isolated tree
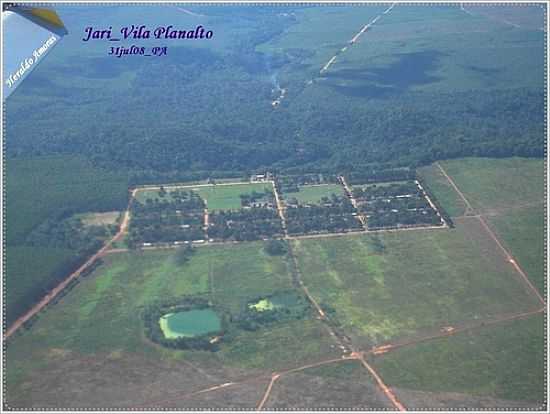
183, 254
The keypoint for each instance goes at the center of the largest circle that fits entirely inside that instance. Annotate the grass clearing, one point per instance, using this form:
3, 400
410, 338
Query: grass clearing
396, 284
493, 185
445, 193
314, 193
504, 361
218, 197
510, 193
99, 219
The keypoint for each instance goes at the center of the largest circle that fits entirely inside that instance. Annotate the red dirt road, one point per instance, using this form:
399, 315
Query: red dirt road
55, 291
509, 258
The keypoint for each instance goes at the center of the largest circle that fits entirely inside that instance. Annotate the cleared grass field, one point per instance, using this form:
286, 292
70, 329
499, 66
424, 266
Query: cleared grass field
314, 193
445, 193
100, 318
218, 197
402, 283
505, 361
510, 193
494, 185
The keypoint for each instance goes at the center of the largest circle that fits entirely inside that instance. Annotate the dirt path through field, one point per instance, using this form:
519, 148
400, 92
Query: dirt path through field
55, 291
509, 258
353, 201
354, 39
469, 209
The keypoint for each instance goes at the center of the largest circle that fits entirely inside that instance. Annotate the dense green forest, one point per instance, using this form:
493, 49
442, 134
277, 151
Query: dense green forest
207, 109
45, 242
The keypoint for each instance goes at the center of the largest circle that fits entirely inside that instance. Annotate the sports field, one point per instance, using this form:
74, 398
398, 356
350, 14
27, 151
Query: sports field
314, 193
218, 197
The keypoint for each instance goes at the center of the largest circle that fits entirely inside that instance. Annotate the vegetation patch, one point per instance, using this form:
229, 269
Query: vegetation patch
278, 307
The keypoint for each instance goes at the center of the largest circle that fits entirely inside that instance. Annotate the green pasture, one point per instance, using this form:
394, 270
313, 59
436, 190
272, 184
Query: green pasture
494, 185
396, 284
314, 193
509, 192
218, 197
504, 361
102, 313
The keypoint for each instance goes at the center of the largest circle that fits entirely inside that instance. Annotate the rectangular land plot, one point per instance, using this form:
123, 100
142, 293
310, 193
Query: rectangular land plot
390, 285
492, 185
399, 204
175, 214
314, 193
509, 193
223, 196
93, 337
503, 361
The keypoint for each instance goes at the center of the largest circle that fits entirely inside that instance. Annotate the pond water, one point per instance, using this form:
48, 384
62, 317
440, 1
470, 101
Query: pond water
189, 323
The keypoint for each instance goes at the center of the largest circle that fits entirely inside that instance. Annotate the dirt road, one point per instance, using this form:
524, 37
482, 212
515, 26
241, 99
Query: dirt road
509, 258
55, 291
469, 209
354, 39
353, 201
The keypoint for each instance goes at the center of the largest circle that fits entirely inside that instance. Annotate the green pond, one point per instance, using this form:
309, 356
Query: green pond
189, 323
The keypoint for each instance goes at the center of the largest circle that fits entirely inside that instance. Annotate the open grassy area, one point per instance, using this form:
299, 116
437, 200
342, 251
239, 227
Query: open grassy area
444, 192
505, 361
510, 193
218, 197
522, 232
396, 284
101, 315
314, 193
494, 185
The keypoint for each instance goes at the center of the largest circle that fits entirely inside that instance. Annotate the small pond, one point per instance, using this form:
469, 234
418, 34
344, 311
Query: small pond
189, 323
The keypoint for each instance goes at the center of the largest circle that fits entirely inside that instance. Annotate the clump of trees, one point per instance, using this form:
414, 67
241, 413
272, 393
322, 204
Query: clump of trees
251, 319
174, 216
183, 254
334, 214
394, 205
255, 223
275, 247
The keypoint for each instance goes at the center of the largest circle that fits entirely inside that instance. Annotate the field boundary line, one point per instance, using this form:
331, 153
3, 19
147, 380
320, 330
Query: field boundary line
387, 391
383, 349
353, 201
469, 208
512, 261
274, 377
174, 395
509, 258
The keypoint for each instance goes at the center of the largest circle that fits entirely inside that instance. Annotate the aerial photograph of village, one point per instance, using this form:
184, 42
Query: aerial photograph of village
274, 206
